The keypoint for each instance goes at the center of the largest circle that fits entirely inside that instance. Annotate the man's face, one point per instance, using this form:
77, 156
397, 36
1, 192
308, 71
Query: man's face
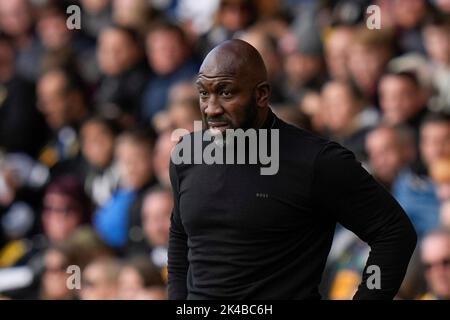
54, 278
339, 107
385, 154
408, 13
135, 164
400, 99
434, 141
52, 98
96, 285
443, 191
235, 14
116, 52
437, 44
436, 259
366, 65
60, 217
336, 53
226, 102
53, 32
15, 17
156, 218
165, 51
97, 144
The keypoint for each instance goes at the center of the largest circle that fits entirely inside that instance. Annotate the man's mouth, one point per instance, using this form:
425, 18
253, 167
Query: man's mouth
218, 126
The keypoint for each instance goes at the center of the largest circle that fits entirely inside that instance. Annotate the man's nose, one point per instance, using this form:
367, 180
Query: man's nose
214, 108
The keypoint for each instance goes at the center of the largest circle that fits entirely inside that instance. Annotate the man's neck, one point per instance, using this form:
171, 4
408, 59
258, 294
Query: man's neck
265, 119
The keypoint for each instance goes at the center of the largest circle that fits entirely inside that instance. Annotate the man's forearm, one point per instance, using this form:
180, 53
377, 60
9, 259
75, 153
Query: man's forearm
390, 254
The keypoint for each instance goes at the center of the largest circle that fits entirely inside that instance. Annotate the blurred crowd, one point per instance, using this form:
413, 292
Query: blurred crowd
86, 117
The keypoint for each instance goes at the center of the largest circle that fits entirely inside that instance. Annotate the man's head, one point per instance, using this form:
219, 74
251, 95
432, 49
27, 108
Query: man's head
436, 260
167, 48
52, 28
139, 276
266, 46
134, 156
389, 150
440, 173
233, 87
99, 280
61, 98
156, 211
54, 278
15, 17
341, 103
97, 141
401, 97
235, 15
337, 51
436, 40
161, 159
367, 57
65, 208
409, 13
118, 50
434, 137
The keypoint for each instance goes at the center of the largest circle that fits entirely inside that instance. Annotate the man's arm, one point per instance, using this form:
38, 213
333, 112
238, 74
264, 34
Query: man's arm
347, 193
178, 250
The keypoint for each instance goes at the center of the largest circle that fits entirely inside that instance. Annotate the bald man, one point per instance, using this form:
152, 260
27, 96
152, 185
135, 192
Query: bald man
237, 234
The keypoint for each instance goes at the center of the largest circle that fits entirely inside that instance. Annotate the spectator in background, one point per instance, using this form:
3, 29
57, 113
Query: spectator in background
442, 5
402, 99
97, 138
440, 173
435, 253
413, 188
232, 16
61, 99
389, 150
337, 44
139, 279
437, 44
346, 117
266, 45
124, 74
311, 106
63, 47
156, 211
54, 278
369, 53
22, 127
183, 109
99, 280
65, 208
304, 68
408, 17
96, 15
171, 62
445, 214
16, 21
182, 114
136, 14
163, 150
118, 222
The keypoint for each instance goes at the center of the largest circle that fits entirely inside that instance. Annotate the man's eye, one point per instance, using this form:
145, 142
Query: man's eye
226, 94
203, 93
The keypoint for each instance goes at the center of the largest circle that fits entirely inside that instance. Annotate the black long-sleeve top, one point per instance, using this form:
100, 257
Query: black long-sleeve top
237, 234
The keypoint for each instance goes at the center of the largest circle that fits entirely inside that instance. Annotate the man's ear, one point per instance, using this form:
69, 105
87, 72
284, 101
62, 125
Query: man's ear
263, 94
